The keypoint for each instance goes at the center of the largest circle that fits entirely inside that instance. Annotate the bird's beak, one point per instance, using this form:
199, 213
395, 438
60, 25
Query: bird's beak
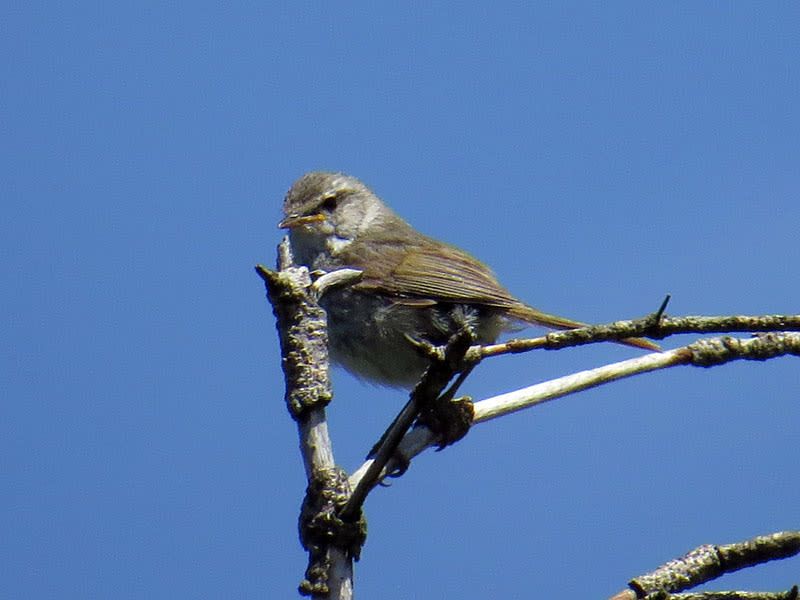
293, 221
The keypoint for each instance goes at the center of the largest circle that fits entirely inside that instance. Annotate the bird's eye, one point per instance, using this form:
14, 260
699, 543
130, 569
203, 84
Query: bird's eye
329, 203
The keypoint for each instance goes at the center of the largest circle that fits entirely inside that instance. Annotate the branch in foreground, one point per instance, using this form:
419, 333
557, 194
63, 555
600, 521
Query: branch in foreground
703, 353
302, 329
709, 562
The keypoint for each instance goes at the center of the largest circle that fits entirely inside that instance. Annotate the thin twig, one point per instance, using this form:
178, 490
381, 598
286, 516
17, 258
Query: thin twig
436, 377
646, 326
703, 353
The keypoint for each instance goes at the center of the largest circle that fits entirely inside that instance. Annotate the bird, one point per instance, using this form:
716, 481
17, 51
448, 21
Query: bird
413, 288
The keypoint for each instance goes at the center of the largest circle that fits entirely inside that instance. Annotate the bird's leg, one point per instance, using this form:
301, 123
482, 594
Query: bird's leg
427, 397
442, 413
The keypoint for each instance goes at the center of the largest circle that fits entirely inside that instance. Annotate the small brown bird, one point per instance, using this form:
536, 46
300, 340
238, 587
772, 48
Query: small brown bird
412, 286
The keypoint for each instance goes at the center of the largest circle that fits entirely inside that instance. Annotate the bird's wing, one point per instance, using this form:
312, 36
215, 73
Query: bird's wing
428, 272
431, 270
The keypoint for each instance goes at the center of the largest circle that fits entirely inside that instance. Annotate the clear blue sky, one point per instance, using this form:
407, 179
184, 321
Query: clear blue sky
597, 156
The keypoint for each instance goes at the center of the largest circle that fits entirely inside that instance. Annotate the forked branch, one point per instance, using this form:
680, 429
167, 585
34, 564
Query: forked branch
332, 529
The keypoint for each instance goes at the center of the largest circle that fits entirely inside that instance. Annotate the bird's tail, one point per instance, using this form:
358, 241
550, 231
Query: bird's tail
536, 317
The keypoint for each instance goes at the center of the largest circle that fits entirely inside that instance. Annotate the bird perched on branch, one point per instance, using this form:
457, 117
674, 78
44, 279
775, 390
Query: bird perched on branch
413, 287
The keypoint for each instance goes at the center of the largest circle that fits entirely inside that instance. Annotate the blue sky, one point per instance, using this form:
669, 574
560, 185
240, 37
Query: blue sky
597, 156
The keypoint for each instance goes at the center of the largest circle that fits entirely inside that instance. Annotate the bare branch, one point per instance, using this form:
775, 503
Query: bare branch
709, 562
301, 325
647, 326
332, 529
703, 353
302, 329
790, 594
